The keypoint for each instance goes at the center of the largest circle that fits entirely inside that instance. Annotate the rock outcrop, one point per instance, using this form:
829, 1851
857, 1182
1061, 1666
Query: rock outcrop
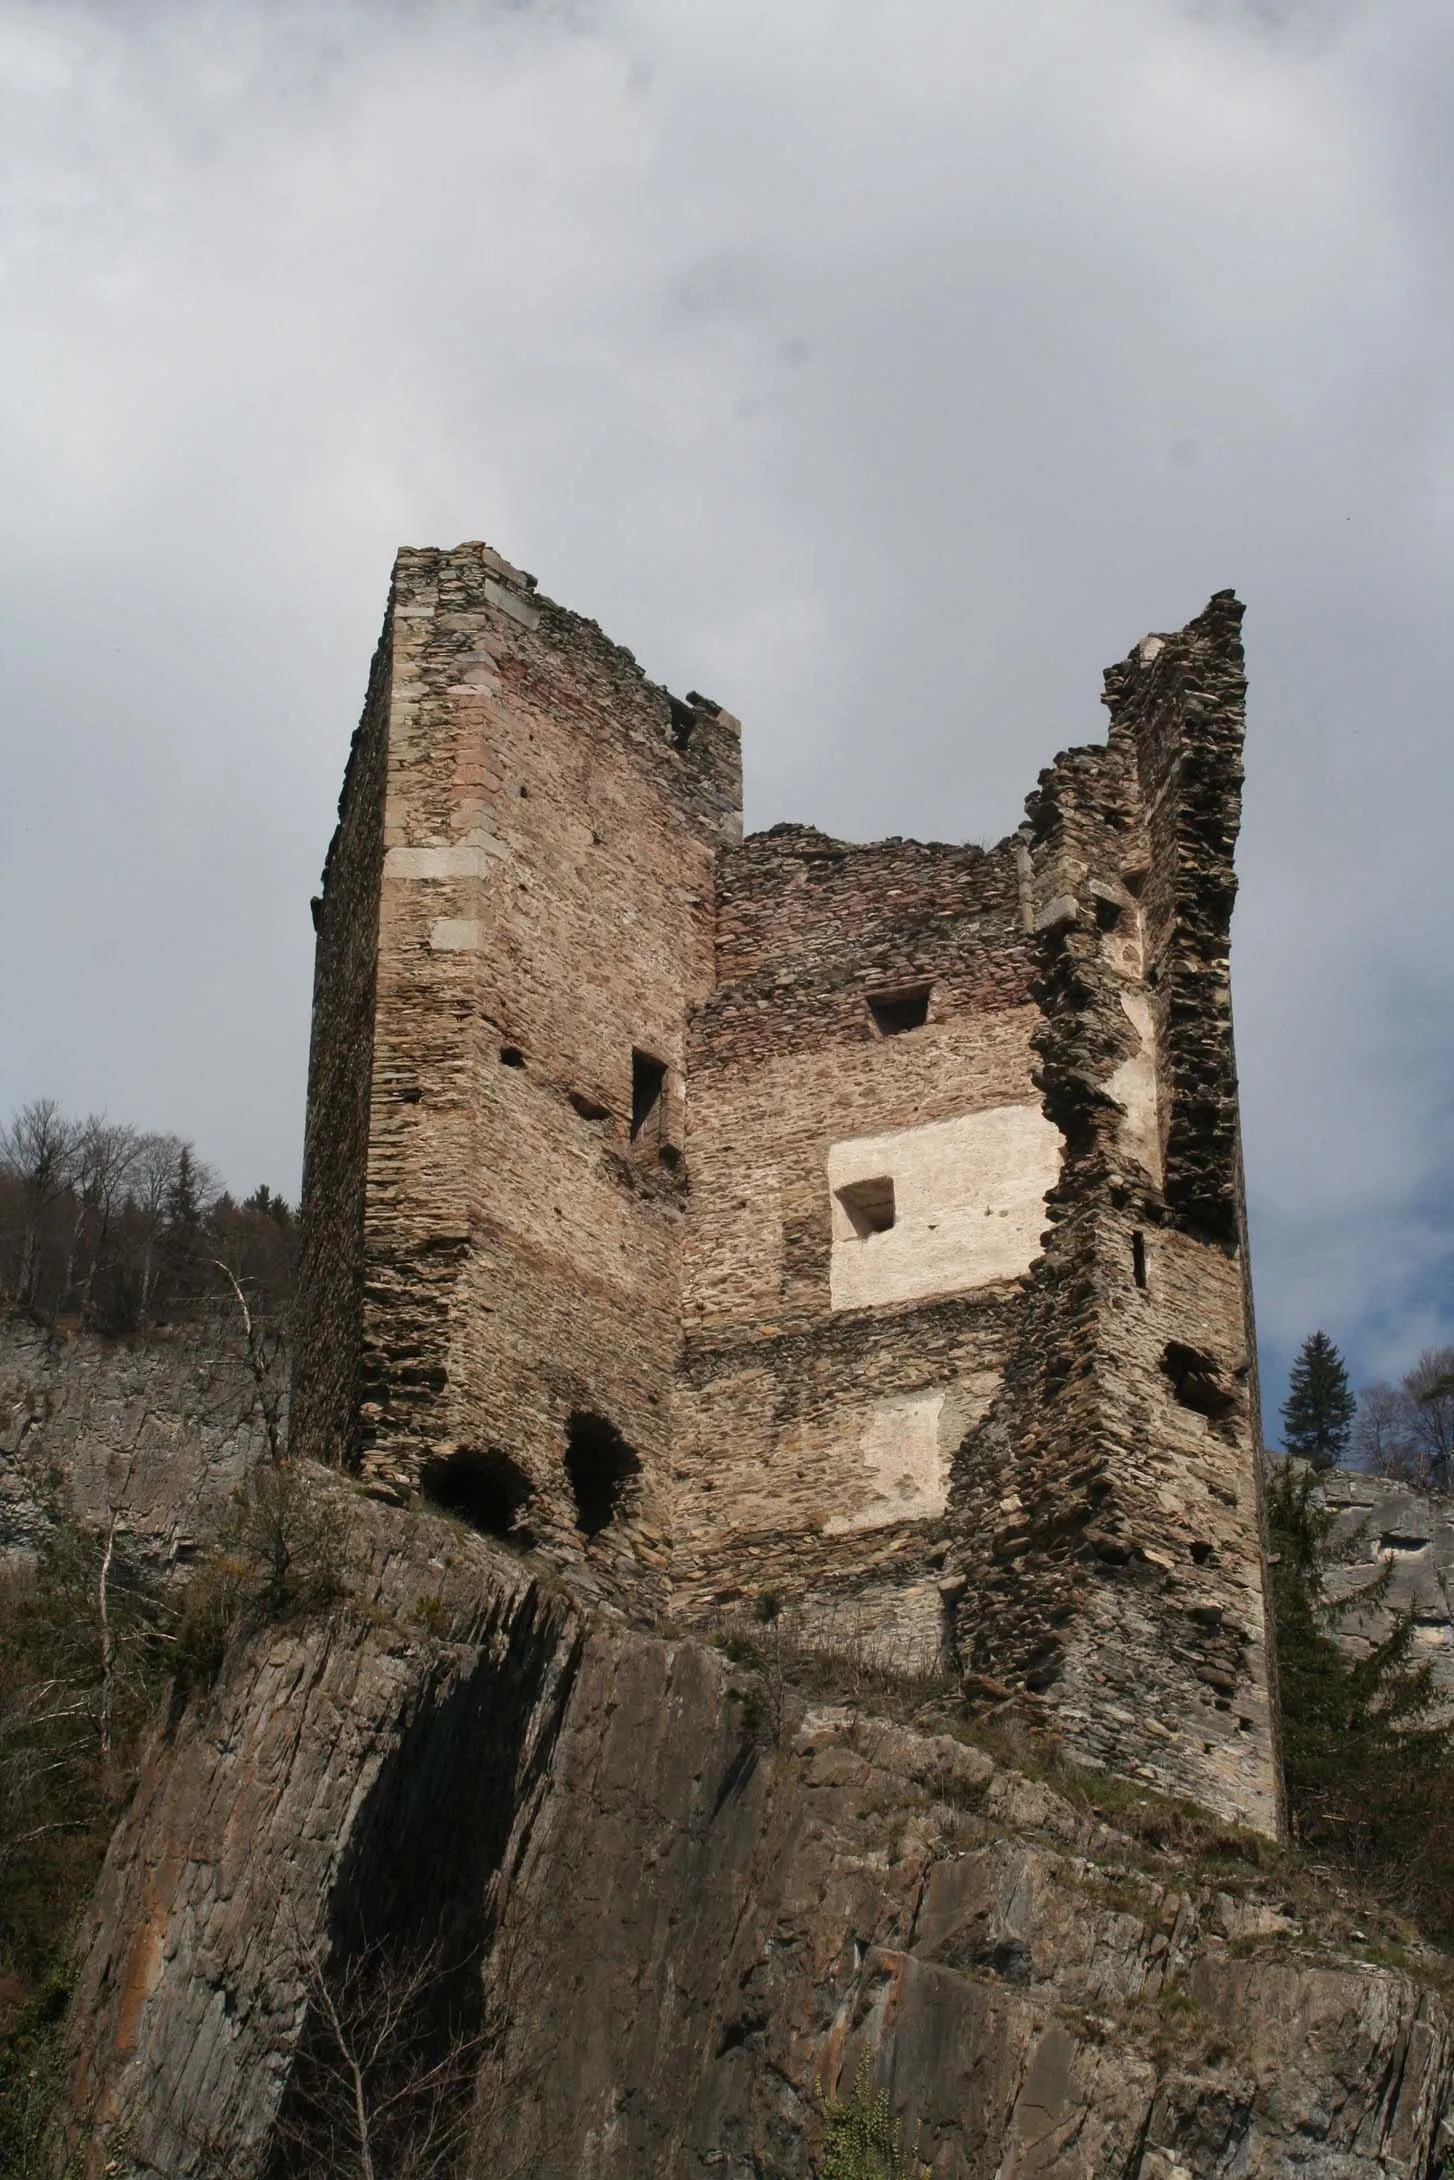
682, 1901
1380, 1523
160, 1434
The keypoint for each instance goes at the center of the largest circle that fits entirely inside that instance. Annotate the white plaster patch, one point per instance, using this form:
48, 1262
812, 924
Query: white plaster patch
457, 935
1134, 1088
904, 1475
969, 1205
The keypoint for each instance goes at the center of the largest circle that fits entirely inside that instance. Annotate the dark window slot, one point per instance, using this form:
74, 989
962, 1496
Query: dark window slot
601, 1468
683, 725
648, 1080
895, 1012
1138, 1259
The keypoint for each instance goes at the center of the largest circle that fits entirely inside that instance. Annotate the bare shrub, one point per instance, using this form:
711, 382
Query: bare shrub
281, 1554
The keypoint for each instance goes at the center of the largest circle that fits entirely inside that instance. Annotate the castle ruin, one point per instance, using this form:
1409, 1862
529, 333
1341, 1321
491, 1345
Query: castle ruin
857, 1225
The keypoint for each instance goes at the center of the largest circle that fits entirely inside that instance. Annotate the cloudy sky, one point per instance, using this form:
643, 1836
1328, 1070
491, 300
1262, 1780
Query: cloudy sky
885, 369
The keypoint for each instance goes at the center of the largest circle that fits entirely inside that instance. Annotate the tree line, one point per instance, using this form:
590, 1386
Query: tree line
1403, 1431
121, 1229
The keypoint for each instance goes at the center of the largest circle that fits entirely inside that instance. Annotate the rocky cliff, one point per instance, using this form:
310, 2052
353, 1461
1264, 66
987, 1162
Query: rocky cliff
160, 1434
671, 1897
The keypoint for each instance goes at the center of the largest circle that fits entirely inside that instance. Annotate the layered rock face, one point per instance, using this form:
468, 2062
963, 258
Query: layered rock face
159, 1435
1383, 1524
676, 1922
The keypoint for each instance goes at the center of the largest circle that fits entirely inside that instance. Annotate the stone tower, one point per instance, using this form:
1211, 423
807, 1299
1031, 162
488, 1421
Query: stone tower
861, 1224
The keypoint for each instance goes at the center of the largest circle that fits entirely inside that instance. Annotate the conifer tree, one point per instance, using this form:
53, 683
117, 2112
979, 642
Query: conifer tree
1368, 1742
1317, 1416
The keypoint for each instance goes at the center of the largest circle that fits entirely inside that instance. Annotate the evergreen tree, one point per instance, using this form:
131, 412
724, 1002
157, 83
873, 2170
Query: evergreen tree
1317, 1416
1368, 1744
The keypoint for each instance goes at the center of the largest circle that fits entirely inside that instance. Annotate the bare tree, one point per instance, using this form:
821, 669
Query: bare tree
1406, 1431
155, 1168
115, 1510
384, 2087
266, 1361
1382, 1435
1430, 1386
105, 1156
38, 1150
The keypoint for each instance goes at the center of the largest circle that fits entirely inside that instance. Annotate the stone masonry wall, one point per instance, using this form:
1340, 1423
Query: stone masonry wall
1109, 1508
829, 1374
328, 1325
546, 912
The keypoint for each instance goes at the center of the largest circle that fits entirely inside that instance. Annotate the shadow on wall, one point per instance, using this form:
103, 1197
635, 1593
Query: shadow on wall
417, 1891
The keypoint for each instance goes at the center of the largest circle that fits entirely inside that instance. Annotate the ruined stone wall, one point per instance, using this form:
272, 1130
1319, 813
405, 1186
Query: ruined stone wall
866, 1190
1108, 1510
546, 912
328, 1326
866, 1221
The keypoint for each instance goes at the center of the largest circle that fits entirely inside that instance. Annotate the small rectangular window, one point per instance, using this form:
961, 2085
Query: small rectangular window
870, 1205
648, 1080
1138, 1258
894, 1012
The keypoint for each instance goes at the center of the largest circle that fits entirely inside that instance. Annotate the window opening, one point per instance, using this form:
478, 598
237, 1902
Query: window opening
894, 1012
648, 1079
1400, 1547
870, 1205
683, 724
1196, 1380
1138, 1259
487, 1489
601, 1468
511, 1056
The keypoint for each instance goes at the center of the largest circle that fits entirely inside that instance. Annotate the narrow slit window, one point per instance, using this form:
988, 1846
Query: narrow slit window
683, 725
895, 1012
869, 1205
648, 1083
1138, 1259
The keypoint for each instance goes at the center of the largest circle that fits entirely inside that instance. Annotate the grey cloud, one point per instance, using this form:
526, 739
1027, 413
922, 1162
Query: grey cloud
886, 371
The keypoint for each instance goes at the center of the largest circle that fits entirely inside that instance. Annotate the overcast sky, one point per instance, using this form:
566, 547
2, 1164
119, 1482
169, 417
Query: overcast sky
886, 370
